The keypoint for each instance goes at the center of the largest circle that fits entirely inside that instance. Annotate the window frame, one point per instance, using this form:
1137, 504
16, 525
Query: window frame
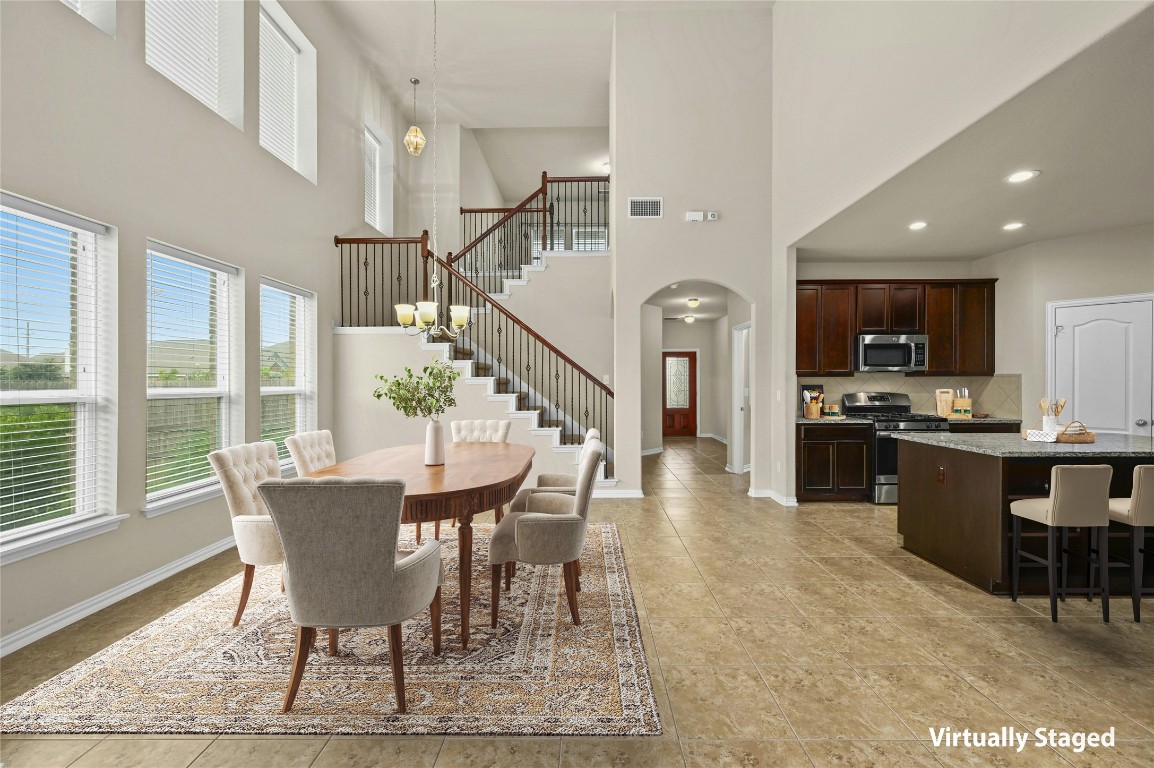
94, 394
100, 13
304, 359
384, 181
305, 111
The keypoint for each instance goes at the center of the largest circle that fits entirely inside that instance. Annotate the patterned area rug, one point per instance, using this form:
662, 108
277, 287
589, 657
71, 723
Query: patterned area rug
536, 674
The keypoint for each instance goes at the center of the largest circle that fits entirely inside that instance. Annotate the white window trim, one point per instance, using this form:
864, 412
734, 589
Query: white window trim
306, 82
21, 543
101, 13
233, 391
385, 178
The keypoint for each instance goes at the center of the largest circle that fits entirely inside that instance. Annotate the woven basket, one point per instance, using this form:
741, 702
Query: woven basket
1065, 436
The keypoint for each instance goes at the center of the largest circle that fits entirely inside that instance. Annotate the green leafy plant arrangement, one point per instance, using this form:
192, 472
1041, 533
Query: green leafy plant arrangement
428, 395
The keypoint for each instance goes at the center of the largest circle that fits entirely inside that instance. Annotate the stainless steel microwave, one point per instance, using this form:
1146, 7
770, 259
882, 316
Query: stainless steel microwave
881, 352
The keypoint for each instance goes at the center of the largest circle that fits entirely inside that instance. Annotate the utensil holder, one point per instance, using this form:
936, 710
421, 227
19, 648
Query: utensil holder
1049, 423
962, 408
811, 410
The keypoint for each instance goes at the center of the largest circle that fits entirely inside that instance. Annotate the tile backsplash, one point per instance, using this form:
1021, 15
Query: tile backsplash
999, 395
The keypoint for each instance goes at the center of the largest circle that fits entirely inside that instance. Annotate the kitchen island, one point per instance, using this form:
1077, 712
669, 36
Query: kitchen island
954, 494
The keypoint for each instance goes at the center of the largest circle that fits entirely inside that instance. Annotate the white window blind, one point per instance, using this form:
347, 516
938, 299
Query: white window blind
189, 398
287, 404
554, 243
279, 56
372, 180
54, 407
182, 42
590, 239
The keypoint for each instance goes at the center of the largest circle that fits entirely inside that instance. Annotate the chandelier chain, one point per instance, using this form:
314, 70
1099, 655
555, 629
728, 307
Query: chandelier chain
435, 251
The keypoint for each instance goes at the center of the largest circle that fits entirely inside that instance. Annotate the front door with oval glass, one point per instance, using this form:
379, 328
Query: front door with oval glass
679, 394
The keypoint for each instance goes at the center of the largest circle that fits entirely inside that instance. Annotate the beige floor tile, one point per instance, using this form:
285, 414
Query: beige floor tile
869, 754
784, 641
664, 570
917, 570
16, 752
931, 697
824, 546
283, 753
903, 599
697, 641
723, 703
143, 753
885, 547
1130, 690
721, 570
752, 599
961, 640
1039, 697
379, 752
635, 753
743, 754
1121, 755
864, 641
791, 570
1134, 642
658, 546
853, 570
833, 599
499, 753
972, 601
680, 600
831, 702
1030, 757
1053, 643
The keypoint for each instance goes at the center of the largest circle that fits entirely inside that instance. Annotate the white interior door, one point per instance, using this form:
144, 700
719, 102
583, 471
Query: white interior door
739, 429
1102, 362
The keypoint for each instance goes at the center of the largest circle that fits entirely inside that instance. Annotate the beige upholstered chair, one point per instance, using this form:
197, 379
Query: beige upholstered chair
1079, 498
241, 468
1138, 513
480, 431
550, 531
554, 482
341, 566
311, 451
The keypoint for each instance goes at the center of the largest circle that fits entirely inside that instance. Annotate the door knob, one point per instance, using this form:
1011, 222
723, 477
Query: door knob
1141, 422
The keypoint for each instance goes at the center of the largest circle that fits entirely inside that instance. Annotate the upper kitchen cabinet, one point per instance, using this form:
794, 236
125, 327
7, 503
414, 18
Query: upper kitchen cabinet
825, 329
897, 308
975, 337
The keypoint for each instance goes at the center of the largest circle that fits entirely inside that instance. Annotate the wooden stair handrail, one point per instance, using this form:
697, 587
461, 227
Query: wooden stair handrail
501, 210
558, 179
499, 223
545, 342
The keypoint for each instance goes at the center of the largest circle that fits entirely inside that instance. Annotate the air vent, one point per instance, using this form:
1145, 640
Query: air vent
645, 207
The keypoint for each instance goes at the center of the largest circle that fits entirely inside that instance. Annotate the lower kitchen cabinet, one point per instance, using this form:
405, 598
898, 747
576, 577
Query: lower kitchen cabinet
834, 462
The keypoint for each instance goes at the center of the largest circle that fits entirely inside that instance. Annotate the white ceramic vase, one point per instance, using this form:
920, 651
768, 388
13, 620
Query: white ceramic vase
434, 443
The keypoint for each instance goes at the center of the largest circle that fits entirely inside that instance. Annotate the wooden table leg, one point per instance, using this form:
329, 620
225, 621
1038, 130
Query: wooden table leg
465, 575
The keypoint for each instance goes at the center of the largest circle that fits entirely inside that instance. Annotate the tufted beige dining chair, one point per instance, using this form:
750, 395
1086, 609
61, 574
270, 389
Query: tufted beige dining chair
342, 568
241, 468
1138, 513
311, 451
550, 531
554, 482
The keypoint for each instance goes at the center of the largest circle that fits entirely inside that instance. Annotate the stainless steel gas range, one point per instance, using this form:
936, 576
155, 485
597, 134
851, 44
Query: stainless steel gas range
891, 412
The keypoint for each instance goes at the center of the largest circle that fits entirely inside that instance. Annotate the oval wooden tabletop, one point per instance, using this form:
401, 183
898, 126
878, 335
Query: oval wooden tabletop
468, 468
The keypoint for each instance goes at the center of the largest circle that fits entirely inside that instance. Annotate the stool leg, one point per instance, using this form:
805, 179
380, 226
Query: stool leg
1065, 561
1104, 567
1091, 548
1137, 534
1017, 558
1052, 568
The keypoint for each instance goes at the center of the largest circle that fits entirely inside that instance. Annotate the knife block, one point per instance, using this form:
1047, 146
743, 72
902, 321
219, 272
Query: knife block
963, 408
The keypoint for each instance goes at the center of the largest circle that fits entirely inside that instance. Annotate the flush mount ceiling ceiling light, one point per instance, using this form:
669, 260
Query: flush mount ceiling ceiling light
1013, 225
415, 139
918, 225
605, 167
1020, 176
689, 318
674, 286
693, 302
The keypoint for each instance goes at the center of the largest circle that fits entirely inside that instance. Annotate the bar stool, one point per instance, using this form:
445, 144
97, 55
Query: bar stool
1137, 512
1079, 498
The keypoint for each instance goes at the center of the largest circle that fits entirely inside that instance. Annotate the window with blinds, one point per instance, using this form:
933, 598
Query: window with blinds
590, 238
554, 240
189, 331
279, 57
372, 180
55, 403
287, 402
198, 44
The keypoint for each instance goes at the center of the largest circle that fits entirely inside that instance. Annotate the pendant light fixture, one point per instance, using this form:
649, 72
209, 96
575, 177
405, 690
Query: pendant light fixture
414, 139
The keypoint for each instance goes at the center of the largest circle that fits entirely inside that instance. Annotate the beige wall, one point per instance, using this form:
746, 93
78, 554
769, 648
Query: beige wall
448, 185
718, 61
861, 91
651, 373
478, 187
90, 128
1113, 263
884, 270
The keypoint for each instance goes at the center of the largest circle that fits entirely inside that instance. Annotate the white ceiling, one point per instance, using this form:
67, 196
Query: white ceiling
714, 300
518, 155
1088, 126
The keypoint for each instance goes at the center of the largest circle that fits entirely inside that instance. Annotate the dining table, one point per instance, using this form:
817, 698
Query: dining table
474, 478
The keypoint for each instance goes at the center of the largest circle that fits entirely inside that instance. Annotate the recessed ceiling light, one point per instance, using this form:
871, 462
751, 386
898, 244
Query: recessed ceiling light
1020, 176
915, 226
689, 318
693, 302
1013, 225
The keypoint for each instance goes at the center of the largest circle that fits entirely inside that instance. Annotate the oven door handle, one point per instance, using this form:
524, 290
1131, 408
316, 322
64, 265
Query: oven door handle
887, 434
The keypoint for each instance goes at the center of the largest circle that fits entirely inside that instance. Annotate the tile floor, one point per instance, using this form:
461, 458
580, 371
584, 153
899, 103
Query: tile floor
791, 637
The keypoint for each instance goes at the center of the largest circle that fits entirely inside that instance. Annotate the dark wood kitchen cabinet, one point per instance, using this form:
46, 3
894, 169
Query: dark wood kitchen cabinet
834, 462
890, 308
941, 325
960, 327
825, 330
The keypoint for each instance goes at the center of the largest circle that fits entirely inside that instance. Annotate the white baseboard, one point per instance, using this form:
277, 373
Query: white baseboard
718, 438
615, 493
30, 634
768, 493
652, 451
729, 468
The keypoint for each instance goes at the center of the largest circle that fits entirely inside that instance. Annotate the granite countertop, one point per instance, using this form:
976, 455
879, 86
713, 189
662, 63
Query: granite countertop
1013, 446
991, 420
846, 420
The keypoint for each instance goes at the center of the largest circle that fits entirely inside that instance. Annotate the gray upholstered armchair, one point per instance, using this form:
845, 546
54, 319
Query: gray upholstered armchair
342, 567
554, 482
241, 468
311, 451
550, 530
